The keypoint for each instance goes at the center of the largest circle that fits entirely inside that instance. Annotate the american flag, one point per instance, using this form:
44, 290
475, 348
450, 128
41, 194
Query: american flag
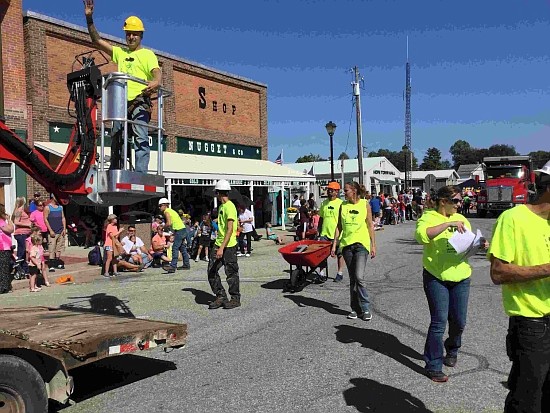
279, 160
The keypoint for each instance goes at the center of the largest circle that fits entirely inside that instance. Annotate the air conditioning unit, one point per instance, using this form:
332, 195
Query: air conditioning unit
5, 170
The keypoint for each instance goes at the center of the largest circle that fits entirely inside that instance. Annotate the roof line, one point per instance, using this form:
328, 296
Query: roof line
53, 20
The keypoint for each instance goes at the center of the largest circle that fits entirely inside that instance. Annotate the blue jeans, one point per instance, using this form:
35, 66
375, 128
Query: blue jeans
356, 256
447, 301
21, 250
528, 347
178, 246
141, 140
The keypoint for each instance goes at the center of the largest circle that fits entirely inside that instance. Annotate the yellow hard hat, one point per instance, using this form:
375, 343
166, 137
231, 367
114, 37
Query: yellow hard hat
133, 24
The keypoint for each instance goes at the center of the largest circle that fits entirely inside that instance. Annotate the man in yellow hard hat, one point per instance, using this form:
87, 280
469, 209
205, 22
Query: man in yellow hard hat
137, 62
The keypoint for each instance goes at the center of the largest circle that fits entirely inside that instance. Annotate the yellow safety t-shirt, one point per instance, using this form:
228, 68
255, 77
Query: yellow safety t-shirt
227, 212
521, 237
354, 226
329, 212
177, 223
139, 63
439, 257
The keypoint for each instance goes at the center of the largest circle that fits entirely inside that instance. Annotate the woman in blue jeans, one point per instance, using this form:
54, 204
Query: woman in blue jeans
357, 243
446, 279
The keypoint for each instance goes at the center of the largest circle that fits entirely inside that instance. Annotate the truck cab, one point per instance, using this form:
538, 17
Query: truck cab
509, 182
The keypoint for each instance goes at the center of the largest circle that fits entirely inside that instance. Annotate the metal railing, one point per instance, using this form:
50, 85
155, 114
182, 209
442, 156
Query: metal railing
114, 107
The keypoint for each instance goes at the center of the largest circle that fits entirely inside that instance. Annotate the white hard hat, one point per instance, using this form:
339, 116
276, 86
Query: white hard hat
222, 185
544, 170
163, 201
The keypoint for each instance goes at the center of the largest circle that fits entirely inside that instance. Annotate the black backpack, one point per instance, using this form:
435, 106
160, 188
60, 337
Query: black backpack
94, 256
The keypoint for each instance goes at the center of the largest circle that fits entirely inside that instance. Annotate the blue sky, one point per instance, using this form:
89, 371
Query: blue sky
480, 69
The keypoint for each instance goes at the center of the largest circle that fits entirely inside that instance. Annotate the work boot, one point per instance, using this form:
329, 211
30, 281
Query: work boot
217, 303
233, 303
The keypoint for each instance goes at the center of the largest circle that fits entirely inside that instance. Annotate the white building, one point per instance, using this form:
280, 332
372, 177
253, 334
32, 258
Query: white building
426, 180
379, 174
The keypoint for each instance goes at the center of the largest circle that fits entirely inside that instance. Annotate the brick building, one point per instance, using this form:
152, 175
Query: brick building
215, 122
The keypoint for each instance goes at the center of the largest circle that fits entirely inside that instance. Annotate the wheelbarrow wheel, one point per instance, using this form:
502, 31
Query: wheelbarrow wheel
297, 279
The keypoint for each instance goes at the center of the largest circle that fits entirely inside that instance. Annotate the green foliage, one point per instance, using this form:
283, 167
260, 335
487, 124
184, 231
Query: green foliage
539, 158
432, 160
343, 155
396, 158
464, 154
310, 158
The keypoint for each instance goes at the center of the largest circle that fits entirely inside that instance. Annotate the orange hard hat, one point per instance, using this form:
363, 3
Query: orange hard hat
333, 185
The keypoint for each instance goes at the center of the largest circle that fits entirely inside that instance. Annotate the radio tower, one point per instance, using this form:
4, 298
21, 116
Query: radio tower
407, 147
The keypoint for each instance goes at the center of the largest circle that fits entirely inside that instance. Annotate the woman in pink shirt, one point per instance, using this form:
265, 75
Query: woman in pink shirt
6, 229
37, 218
21, 220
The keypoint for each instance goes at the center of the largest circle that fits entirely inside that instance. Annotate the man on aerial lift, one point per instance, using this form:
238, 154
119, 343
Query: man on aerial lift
137, 62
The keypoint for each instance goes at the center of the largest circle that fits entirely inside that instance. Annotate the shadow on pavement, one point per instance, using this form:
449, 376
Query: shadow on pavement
302, 301
275, 284
382, 343
112, 373
371, 396
408, 241
100, 303
201, 297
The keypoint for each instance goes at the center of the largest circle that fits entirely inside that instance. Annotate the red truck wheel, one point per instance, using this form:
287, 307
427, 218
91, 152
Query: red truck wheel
22, 389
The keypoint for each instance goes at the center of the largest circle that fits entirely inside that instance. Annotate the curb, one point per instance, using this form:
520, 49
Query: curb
80, 276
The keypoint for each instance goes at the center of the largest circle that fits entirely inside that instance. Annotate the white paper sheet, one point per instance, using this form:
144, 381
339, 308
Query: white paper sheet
466, 243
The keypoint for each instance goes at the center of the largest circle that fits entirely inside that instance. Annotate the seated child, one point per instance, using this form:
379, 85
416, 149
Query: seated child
272, 236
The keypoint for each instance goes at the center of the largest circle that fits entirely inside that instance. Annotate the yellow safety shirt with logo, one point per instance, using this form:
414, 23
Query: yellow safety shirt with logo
439, 257
329, 212
139, 63
522, 237
227, 212
177, 223
354, 225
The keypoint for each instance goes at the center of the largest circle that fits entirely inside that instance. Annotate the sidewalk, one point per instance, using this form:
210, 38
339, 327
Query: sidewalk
76, 265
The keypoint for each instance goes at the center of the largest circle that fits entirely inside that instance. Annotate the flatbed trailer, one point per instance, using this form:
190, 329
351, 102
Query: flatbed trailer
40, 345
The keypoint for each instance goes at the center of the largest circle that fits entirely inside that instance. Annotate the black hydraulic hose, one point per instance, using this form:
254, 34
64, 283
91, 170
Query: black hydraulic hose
85, 139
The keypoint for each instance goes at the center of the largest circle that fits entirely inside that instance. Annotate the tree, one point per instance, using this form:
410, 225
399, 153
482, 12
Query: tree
396, 158
446, 164
539, 158
310, 158
462, 153
432, 160
343, 155
502, 150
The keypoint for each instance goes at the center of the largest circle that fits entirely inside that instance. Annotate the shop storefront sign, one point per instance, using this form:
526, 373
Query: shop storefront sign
376, 172
223, 149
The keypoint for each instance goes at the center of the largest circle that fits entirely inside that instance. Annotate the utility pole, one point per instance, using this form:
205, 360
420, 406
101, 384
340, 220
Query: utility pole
357, 94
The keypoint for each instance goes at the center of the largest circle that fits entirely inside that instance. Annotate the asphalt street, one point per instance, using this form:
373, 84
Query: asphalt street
283, 352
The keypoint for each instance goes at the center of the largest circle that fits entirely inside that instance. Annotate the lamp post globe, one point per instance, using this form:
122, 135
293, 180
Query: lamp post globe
331, 127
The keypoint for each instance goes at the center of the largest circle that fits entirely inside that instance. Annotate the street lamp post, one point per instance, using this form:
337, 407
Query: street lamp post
331, 127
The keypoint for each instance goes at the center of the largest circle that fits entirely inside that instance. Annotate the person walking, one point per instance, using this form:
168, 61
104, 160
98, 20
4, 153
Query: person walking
21, 219
6, 229
224, 252
56, 223
446, 279
356, 233
520, 263
245, 221
138, 62
175, 224
328, 221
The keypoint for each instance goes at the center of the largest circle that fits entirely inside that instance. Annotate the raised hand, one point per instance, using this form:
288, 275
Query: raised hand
88, 7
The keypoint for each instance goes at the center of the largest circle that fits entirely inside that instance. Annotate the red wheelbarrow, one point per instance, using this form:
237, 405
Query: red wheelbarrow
305, 257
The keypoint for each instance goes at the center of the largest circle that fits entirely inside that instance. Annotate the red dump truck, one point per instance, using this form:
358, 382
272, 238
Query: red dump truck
509, 181
39, 346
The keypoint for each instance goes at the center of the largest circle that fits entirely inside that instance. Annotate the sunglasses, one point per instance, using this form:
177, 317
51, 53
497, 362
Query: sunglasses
456, 200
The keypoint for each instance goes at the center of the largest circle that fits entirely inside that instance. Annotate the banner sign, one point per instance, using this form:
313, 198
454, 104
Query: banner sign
209, 148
